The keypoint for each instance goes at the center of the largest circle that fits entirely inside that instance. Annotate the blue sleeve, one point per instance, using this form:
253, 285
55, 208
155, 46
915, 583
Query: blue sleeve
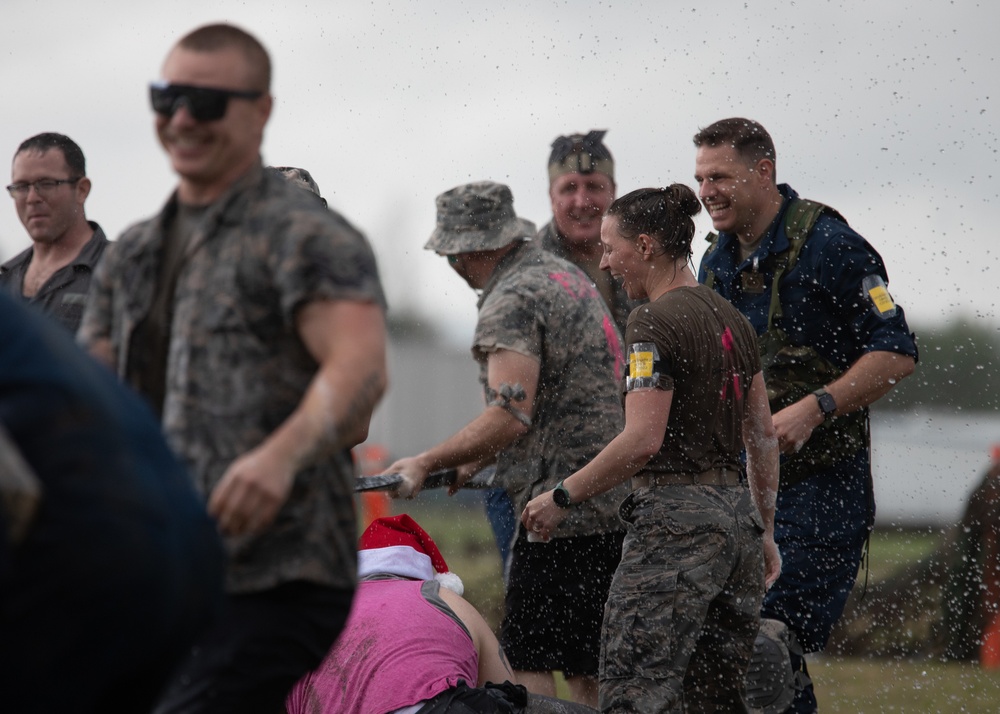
845, 260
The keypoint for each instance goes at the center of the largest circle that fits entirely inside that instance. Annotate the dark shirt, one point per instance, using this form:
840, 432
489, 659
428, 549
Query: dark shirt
64, 295
154, 330
822, 300
120, 554
704, 351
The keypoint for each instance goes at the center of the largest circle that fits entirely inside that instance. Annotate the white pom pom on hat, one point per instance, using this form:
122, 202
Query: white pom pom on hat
398, 546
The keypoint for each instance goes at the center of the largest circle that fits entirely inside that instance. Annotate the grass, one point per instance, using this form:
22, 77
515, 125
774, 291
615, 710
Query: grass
892, 548
852, 685
860, 685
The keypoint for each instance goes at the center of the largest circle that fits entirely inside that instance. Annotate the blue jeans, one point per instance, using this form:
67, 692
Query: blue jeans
503, 521
821, 525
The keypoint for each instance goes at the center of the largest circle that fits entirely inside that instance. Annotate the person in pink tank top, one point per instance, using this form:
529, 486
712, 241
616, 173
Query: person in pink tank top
412, 643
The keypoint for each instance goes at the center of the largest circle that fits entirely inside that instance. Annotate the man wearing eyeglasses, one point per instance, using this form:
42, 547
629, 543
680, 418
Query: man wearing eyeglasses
252, 318
49, 186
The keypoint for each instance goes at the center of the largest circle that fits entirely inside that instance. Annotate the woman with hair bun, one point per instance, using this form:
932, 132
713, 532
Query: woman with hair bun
683, 610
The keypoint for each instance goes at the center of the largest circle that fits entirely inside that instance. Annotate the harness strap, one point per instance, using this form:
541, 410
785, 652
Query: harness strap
800, 218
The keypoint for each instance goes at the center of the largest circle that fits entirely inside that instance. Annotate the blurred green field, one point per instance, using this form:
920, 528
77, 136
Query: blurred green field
843, 685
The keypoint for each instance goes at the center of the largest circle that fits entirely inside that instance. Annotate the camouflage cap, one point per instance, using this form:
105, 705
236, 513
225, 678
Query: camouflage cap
300, 177
477, 216
583, 154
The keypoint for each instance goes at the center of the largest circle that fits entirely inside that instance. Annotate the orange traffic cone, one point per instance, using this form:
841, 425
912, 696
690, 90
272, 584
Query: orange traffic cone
372, 460
989, 651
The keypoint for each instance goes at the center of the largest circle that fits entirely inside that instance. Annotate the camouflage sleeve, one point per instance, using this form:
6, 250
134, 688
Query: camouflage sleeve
509, 319
321, 257
97, 315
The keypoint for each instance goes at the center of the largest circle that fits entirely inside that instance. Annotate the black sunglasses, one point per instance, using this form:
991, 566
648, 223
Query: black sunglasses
203, 103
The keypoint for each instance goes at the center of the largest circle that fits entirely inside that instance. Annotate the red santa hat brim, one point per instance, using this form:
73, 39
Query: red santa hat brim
397, 545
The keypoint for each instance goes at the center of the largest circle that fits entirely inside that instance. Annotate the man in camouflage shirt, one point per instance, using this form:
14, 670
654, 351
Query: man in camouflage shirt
581, 187
252, 318
550, 362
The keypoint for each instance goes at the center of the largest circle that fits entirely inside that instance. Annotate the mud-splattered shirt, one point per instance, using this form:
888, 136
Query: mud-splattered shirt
613, 292
236, 367
542, 306
693, 342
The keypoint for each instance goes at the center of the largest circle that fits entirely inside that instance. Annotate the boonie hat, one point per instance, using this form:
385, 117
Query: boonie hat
477, 216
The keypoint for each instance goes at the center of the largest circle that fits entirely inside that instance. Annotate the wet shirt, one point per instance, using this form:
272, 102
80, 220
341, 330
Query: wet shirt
402, 645
64, 295
823, 300
236, 367
694, 343
545, 307
613, 292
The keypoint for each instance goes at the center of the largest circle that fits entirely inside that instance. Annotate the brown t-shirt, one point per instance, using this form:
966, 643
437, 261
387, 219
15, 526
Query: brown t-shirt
693, 342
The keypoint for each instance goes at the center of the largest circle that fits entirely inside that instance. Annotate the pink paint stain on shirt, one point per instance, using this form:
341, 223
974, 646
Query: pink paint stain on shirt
576, 284
728, 345
614, 346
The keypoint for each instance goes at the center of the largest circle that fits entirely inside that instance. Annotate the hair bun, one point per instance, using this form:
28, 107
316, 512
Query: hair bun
685, 199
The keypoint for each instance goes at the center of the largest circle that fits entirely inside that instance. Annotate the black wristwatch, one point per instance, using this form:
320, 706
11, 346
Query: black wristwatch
827, 405
561, 496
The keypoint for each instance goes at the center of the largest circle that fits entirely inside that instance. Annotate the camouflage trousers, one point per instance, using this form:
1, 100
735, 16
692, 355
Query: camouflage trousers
684, 605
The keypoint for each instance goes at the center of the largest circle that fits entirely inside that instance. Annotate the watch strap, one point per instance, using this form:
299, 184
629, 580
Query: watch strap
827, 404
561, 496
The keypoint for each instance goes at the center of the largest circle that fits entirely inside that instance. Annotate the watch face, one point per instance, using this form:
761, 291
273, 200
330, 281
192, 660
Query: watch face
826, 404
561, 496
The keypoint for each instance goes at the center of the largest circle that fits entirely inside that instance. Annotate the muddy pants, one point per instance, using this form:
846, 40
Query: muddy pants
684, 605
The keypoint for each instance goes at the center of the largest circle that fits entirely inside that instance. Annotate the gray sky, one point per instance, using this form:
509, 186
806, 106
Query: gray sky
887, 111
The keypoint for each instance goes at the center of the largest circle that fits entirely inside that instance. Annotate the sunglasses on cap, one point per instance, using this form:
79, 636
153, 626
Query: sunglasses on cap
203, 103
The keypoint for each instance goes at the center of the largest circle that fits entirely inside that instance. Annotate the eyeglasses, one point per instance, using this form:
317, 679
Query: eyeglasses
203, 103
43, 187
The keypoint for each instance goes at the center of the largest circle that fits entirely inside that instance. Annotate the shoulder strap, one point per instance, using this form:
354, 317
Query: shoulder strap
800, 218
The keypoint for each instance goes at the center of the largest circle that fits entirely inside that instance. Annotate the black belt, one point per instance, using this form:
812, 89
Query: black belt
712, 477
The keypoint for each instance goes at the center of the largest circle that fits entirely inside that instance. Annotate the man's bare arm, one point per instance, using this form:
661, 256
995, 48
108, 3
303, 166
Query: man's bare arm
869, 379
347, 340
493, 664
866, 381
497, 427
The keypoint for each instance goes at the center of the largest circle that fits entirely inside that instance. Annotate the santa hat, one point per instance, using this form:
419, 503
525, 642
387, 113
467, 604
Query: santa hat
398, 546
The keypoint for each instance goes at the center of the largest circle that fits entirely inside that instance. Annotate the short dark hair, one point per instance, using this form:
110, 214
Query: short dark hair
50, 140
749, 138
211, 38
665, 214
